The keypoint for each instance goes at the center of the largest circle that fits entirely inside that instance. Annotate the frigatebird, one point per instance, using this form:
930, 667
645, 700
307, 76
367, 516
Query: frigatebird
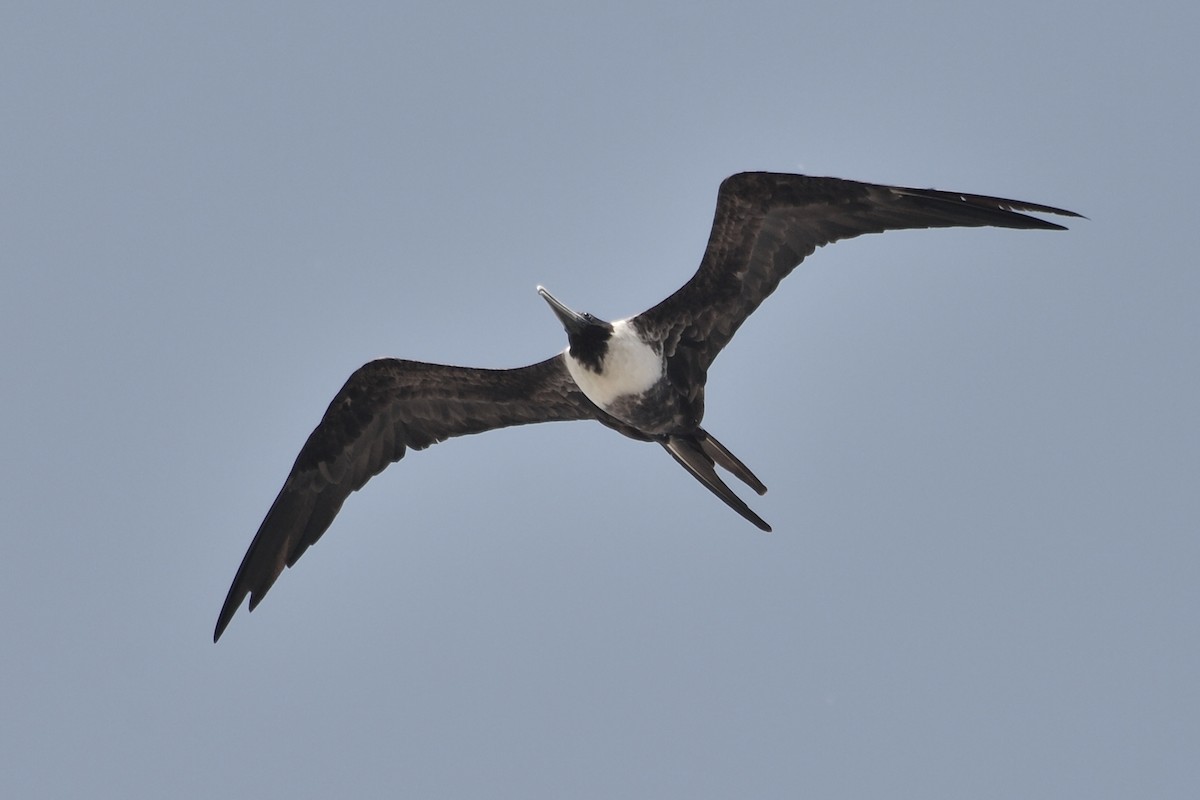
643, 376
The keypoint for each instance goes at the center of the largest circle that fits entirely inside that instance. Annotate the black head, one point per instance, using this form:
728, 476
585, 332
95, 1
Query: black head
587, 333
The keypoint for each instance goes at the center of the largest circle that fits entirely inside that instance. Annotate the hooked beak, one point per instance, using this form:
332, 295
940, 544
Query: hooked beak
573, 321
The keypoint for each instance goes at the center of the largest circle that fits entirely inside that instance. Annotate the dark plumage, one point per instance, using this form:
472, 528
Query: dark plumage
765, 225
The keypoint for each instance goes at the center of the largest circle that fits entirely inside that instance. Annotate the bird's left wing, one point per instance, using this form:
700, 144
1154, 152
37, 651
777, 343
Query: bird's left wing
386, 407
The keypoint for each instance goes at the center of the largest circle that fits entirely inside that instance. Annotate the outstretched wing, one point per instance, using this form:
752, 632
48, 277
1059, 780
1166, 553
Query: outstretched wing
767, 223
386, 407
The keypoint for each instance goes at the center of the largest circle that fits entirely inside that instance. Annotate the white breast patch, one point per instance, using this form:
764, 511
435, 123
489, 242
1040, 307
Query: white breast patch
630, 367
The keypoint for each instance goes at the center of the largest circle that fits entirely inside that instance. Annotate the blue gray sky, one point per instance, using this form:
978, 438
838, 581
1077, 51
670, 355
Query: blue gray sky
982, 446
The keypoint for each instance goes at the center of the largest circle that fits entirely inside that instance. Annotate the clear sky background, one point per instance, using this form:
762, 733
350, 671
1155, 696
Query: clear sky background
982, 445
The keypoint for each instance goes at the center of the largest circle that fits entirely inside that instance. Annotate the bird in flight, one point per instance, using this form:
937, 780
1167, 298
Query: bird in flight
643, 376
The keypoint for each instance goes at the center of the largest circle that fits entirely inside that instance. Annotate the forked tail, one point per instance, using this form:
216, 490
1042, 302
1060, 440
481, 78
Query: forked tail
698, 453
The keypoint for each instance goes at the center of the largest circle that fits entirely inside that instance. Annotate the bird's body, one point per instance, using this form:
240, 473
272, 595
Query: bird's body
643, 376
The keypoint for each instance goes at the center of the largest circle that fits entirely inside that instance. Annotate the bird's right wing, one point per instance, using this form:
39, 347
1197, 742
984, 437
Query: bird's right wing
767, 223
386, 407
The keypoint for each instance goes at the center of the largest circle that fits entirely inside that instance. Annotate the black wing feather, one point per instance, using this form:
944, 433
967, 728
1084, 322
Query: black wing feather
386, 407
767, 223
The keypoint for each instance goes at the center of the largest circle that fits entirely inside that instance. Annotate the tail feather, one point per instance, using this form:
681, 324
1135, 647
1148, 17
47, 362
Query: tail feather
698, 456
717, 452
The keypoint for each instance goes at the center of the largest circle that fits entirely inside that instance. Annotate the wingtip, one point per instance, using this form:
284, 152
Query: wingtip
222, 624
228, 610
